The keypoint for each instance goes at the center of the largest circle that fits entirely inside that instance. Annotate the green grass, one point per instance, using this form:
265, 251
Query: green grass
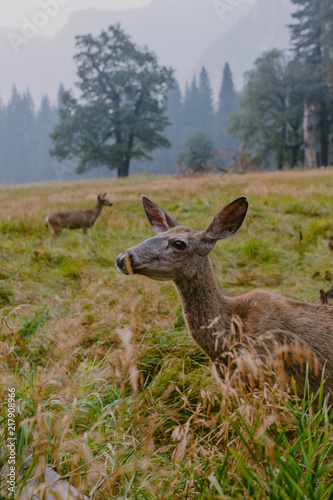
111, 391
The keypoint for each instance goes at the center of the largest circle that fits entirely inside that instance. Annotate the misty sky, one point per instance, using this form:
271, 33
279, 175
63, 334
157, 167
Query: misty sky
11, 13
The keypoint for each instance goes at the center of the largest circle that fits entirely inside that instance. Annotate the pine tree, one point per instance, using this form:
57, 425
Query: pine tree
227, 104
164, 159
61, 91
271, 112
175, 116
205, 103
46, 119
3, 144
328, 39
191, 109
19, 118
308, 37
328, 56
295, 97
29, 137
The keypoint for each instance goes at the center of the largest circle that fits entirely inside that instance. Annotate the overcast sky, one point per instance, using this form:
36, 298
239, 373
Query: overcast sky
12, 12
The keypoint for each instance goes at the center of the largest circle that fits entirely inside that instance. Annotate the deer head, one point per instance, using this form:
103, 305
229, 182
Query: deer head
177, 252
103, 201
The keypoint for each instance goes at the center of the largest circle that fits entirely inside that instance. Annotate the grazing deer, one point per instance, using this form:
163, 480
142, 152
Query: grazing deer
213, 319
75, 219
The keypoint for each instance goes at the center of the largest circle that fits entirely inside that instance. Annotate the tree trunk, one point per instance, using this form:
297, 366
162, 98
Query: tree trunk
324, 134
280, 160
294, 155
123, 170
282, 148
309, 126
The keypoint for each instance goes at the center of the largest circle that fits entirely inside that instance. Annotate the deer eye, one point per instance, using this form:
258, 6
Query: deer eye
180, 245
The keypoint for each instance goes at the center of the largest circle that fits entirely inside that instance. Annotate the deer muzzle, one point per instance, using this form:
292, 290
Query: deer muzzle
125, 264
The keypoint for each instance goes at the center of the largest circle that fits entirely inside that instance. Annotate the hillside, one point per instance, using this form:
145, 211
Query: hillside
110, 390
43, 63
263, 28
184, 35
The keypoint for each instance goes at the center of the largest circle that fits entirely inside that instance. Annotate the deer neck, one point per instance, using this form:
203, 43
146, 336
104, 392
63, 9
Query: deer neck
206, 310
97, 209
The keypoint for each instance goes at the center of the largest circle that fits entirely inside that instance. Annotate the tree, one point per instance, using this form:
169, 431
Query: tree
175, 117
295, 97
205, 103
20, 138
174, 130
271, 112
191, 110
198, 148
227, 105
120, 113
310, 136
309, 35
46, 119
327, 9
164, 160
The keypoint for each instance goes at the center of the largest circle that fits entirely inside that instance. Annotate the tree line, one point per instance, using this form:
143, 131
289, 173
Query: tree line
24, 139
130, 108
128, 111
281, 88
26, 143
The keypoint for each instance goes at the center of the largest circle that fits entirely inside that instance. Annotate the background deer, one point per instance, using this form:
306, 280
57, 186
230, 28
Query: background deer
75, 219
218, 323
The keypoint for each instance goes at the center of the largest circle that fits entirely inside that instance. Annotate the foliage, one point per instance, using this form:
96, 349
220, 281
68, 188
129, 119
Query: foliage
26, 142
311, 38
120, 113
227, 105
111, 391
272, 111
198, 150
30, 324
205, 103
327, 16
24, 139
198, 109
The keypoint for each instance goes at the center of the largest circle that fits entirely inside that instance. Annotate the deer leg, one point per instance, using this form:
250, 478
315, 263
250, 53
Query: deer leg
52, 230
55, 231
84, 230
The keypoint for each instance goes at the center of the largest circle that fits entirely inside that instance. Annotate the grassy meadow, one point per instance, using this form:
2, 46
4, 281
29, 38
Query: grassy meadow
111, 391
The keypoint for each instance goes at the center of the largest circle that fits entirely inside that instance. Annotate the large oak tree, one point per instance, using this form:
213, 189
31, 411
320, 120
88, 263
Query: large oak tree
119, 112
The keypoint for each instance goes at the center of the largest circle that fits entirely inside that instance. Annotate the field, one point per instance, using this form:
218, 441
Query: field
111, 391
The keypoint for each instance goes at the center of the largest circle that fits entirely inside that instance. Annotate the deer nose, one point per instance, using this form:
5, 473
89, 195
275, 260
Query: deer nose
121, 263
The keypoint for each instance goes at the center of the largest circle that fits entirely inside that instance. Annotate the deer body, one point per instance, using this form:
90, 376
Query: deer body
181, 254
75, 219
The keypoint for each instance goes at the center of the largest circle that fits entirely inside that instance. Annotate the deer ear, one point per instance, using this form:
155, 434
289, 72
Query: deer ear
227, 222
159, 220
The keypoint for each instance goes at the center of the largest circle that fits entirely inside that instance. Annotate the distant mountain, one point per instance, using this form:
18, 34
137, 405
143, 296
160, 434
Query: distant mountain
263, 28
179, 31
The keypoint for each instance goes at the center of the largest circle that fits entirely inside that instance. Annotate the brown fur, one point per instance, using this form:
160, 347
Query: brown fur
209, 314
75, 219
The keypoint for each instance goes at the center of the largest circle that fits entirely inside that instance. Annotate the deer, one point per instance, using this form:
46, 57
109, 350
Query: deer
75, 219
217, 322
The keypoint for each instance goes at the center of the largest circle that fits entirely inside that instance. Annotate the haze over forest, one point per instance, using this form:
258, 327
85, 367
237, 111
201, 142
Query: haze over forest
227, 87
